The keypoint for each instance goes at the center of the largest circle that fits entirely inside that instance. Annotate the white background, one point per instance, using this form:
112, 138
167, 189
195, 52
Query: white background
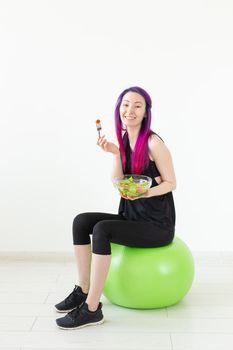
63, 65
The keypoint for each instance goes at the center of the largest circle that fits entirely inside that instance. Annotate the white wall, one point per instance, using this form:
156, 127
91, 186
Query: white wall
63, 65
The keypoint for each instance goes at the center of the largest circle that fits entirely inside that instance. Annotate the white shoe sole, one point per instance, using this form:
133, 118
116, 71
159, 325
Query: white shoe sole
64, 311
84, 325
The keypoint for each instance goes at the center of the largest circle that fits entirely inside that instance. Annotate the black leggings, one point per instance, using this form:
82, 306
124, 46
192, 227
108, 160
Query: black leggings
114, 228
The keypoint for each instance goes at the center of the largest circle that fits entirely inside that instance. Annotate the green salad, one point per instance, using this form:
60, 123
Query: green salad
131, 188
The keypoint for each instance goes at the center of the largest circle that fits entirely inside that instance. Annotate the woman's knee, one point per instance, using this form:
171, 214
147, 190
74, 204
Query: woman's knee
101, 239
80, 229
80, 221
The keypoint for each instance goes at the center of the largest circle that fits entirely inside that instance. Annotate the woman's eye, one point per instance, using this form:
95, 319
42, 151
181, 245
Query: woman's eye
126, 105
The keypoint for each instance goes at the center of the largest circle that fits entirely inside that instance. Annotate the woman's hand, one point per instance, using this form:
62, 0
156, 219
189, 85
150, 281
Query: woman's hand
145, 195
107, 146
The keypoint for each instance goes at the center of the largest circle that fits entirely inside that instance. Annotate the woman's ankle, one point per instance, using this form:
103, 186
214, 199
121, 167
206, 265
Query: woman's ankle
92, 306
85, 289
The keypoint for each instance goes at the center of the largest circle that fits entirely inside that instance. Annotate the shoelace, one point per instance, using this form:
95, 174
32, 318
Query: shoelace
71, 296
75, 313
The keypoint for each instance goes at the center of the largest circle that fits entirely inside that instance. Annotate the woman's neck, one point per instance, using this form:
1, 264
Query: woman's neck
132, 135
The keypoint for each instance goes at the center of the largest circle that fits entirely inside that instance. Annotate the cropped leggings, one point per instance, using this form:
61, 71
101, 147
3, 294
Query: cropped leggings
107, 228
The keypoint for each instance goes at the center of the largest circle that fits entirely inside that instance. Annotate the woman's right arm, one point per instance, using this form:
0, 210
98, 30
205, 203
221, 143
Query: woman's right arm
117, 166
112, 148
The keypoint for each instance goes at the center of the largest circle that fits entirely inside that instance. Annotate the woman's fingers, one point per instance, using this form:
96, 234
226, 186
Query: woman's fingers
102, 142
100, 139
129, 198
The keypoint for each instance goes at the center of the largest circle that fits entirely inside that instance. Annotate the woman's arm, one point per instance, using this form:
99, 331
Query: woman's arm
112, 148
162, 157
117, 166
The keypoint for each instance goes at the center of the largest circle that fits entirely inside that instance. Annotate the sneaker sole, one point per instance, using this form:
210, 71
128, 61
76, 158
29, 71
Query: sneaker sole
65, 311
84, 325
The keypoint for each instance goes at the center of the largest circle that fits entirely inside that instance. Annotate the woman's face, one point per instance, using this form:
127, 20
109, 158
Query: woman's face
132, 109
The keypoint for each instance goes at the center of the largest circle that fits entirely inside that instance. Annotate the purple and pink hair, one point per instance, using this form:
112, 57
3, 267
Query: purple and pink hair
139, 159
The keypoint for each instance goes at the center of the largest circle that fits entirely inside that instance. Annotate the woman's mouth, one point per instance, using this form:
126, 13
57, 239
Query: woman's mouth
129, 118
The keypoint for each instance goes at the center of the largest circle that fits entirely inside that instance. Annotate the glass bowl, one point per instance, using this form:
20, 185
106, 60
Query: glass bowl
130, 185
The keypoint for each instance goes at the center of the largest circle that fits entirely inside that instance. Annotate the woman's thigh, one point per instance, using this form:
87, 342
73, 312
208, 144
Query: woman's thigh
135, 233
84, 223
89, 219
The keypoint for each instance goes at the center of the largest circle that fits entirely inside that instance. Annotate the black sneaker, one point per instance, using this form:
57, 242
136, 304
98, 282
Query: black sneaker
74, 299
81, 317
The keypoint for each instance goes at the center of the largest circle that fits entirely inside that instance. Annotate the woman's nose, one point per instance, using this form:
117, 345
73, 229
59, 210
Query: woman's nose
130, 109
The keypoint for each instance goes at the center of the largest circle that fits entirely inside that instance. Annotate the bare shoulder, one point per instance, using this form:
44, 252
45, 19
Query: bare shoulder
155, 139
160, 154
157, 148
156, 145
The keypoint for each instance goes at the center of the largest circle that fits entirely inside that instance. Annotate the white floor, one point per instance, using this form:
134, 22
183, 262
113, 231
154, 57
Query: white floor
31, 284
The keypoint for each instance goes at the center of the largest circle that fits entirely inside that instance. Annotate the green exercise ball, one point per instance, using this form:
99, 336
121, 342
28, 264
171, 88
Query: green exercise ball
149, 278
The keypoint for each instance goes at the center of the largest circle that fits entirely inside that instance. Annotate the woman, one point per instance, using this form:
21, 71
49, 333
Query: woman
145, 222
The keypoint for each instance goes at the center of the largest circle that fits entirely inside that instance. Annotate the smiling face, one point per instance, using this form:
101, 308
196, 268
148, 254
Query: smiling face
132, 109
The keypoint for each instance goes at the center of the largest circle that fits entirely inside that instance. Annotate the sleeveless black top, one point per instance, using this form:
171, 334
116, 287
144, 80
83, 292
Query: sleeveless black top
159, 210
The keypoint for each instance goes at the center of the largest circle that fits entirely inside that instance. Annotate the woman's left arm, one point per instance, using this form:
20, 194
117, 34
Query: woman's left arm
163, 160
162, 157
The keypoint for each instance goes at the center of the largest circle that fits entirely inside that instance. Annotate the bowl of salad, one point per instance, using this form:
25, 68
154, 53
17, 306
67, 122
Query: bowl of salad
133, 186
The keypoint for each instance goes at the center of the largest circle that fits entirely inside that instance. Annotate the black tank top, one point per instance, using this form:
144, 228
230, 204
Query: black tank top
159, 210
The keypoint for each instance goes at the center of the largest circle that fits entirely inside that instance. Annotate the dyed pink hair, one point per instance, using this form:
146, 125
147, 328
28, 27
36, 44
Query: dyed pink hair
139, 159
